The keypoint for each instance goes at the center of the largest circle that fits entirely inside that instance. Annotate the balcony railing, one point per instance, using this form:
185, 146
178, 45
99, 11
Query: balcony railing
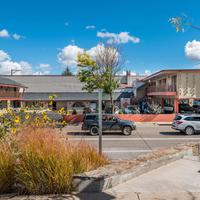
9, 94
162, 88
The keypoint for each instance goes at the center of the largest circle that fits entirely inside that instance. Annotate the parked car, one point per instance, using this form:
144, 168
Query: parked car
196, 108
109, 123
185, 108
168, 108
189, 124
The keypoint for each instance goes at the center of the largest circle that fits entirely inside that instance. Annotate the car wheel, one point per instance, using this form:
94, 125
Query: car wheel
127, 130
94, 130
189, 130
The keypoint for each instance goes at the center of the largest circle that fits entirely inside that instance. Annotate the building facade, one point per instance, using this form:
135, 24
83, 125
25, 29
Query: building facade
11, 93
68, 90
171, 87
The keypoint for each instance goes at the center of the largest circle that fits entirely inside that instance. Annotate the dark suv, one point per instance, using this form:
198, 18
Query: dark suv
109, 123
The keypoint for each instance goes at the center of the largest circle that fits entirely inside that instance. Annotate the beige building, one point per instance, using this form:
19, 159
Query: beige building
173, 86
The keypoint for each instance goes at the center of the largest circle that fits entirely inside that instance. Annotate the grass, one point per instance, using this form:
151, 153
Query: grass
6, 167
45, 162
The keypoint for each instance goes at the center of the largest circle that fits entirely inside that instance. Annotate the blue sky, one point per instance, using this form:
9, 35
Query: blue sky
42, 36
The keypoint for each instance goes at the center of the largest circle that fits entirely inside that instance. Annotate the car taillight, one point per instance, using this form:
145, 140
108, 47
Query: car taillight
179, 122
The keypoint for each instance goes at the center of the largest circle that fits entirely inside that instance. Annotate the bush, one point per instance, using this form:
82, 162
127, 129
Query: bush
47, 162
6, 167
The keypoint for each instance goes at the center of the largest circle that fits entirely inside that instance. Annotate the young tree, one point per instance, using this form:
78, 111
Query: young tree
98, 71
67, 72
182, 22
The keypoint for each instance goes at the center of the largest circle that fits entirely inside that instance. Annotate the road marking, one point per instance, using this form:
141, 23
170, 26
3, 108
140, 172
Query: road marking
131, 139
126, 151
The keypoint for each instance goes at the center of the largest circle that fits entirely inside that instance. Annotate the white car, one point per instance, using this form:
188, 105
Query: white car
189, 124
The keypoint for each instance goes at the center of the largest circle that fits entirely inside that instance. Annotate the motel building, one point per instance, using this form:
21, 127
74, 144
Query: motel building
173, 87
11, 93
67, 90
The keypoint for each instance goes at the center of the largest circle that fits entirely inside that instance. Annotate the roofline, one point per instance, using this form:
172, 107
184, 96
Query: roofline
58, 75
168, 70
34, 75
12, 85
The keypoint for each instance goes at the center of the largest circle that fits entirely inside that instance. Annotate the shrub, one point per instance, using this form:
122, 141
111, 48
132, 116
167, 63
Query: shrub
6, 167
47, 162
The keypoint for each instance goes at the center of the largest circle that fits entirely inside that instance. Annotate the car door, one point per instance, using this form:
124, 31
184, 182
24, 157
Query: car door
197, 123
111, 123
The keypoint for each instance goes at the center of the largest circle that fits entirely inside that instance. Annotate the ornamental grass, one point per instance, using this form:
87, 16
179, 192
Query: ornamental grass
45, 161
7, 162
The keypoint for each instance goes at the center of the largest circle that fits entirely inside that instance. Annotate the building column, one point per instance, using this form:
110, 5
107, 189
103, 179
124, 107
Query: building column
176, 105
8, 104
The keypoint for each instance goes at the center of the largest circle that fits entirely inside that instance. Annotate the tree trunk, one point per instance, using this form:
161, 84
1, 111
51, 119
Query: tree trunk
112, 103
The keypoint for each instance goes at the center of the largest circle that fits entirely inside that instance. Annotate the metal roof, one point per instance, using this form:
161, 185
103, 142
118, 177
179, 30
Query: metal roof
74, 96
40, 87
49, 84
9, 82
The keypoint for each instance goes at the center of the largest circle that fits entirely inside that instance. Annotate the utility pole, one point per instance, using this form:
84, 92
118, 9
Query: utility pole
100, 120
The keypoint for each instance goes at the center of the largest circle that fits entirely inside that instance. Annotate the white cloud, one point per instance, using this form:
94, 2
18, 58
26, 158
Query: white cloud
124, 73
93, 50
192, 50
4, 56
120, 38
7, 64
43, 69
45, 65
4, 33
147, 72
17, 36
68, 55
91, 27
197, 66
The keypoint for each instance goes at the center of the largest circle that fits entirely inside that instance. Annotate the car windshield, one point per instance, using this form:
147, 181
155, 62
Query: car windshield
178, 117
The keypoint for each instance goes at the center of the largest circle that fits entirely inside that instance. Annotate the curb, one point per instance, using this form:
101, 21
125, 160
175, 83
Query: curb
117, 173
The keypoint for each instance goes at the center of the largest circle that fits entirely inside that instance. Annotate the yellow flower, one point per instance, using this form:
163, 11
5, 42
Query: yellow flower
64, 123
14, 130
50, 97
27, 116
46, 118
53, 124
68, 113
61, 111
43, 113
17, 119
8, 110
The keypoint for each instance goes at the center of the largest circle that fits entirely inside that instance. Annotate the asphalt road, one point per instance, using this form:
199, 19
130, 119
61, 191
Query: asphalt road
146, 138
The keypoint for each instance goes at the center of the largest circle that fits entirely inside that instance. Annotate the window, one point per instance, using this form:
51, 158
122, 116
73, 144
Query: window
90, 117
192, 119
197, 119
189, 119
178, 118
78, 104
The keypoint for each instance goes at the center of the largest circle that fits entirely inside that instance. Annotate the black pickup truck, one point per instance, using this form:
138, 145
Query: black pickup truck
110, 123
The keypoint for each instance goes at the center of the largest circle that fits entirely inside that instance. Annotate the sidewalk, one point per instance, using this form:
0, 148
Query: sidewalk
179, 180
